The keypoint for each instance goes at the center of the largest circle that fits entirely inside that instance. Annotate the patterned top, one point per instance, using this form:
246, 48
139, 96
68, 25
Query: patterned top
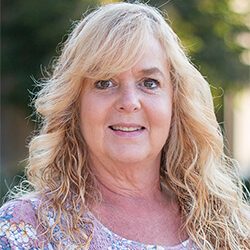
19, 231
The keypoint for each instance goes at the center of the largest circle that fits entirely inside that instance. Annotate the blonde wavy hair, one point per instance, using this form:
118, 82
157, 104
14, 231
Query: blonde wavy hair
106, 42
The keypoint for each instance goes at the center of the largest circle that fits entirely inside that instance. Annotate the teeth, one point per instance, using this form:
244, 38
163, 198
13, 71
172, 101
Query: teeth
126, 129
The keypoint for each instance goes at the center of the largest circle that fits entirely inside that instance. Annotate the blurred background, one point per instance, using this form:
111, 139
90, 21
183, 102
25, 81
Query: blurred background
215, 33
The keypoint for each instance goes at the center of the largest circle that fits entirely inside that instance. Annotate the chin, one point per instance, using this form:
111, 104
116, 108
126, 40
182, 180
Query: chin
130, 156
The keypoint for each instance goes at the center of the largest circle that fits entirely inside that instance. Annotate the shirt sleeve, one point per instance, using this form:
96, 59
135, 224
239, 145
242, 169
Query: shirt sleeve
18, 225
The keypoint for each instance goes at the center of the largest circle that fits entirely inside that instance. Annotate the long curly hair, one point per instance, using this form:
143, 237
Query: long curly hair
104, 43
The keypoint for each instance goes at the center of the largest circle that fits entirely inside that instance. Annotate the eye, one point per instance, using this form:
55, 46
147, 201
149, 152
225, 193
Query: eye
150, 83
104, 84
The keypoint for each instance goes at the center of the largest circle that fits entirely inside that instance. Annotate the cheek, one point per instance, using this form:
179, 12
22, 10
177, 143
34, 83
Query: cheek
161, 112
87, 116
92, 116
89, 128
160, 122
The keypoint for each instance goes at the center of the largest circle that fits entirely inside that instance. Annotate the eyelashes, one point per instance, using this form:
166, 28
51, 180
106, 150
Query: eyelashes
150, 83
146, 83
104, 84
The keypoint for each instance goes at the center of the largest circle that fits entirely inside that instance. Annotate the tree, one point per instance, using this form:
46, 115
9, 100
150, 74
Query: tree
31, 31
208, 29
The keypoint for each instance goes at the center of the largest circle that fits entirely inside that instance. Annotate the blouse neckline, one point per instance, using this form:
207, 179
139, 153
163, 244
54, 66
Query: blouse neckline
108, 231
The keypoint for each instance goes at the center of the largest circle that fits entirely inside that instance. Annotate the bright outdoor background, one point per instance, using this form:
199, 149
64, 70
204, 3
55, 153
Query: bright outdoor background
216, 34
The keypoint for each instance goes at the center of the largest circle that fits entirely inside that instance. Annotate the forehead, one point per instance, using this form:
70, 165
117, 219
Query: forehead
141, 50
153, 59
152, 62
153, 50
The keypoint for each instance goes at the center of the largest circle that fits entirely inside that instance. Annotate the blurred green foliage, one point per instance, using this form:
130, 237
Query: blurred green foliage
32, 30
208, 30
30, 34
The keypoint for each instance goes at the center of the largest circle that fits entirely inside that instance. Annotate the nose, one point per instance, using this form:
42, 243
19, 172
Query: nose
128, 100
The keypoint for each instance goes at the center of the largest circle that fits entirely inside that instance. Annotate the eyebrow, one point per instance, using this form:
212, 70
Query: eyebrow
151, 71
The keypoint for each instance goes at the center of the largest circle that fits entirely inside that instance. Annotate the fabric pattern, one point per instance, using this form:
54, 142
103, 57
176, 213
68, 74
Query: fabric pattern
19, 230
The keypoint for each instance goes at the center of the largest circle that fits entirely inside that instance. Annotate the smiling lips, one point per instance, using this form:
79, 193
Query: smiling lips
130, 128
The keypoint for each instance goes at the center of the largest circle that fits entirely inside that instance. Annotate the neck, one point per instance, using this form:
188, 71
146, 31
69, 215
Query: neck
128, 181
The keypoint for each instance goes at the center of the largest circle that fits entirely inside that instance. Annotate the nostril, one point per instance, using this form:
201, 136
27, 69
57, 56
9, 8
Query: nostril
128, 102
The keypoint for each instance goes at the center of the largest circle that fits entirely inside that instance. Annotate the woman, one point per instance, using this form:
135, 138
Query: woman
130, 155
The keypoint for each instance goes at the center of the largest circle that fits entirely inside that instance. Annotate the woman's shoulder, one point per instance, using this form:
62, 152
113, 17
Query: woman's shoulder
20, 210
18, 224
22, 207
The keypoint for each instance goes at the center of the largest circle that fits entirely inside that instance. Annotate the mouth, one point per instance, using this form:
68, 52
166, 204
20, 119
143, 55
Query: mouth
123, 128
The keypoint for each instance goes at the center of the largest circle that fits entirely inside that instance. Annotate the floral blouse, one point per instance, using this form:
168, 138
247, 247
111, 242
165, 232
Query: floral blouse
19, 231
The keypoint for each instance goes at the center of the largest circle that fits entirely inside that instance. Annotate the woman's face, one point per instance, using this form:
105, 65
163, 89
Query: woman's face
126, 119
